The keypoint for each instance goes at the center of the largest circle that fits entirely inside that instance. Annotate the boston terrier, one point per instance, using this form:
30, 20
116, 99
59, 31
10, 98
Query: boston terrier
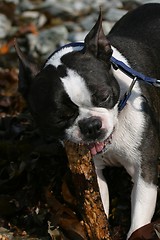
77, 95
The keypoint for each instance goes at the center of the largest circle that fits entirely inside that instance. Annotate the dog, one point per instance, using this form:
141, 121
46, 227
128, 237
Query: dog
81, 95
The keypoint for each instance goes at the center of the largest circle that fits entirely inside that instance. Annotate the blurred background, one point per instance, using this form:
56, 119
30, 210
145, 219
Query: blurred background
42, 25
28, 166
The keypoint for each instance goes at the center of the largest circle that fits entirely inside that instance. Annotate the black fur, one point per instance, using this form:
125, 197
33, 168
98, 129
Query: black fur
137, 36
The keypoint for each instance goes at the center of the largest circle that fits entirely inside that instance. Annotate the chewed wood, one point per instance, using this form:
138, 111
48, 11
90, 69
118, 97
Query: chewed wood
87, 192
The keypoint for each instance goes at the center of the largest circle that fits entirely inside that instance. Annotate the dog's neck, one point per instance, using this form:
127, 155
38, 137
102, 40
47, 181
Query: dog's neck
123, 80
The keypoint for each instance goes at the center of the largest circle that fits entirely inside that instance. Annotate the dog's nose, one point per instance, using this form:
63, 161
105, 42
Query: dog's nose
90, 127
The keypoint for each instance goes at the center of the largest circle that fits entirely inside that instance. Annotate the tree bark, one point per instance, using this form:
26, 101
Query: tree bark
87, 192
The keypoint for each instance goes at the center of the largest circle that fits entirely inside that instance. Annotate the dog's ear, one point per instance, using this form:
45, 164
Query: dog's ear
27, 71
96, 42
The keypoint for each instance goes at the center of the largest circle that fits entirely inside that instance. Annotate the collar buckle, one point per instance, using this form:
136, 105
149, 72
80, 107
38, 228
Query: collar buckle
126, 96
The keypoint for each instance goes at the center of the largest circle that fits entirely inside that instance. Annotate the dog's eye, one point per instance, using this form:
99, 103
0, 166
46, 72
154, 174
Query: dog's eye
104, 100
101, 100
66, 117
69, 116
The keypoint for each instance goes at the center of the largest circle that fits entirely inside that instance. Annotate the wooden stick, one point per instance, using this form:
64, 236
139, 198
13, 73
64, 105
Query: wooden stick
87, 191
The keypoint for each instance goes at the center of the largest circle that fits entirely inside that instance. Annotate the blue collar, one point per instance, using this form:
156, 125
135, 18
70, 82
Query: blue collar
133, 74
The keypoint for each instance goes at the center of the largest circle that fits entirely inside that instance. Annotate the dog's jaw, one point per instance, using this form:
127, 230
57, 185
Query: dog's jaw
99, 147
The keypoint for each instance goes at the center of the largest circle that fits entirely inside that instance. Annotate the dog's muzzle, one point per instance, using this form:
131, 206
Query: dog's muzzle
91, 128
93, 134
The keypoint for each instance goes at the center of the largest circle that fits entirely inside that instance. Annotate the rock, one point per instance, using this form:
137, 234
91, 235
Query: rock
13, 1
73, 26
24, 5
5, 26
65, 8
47, 40
35, 17
130, 5
88, 22
148, 1
107, 26
81, 7
114, 14
79, 36
105, 5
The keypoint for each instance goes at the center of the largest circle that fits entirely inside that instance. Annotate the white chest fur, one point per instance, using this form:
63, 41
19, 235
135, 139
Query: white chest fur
124, 150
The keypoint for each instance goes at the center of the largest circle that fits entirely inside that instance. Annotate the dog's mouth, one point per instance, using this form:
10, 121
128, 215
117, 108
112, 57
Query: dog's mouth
98, 147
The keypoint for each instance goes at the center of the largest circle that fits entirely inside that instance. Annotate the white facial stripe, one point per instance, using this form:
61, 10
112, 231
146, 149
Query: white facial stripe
55, 59
76, 89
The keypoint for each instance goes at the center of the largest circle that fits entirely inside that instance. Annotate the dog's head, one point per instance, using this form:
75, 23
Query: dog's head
74, 95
